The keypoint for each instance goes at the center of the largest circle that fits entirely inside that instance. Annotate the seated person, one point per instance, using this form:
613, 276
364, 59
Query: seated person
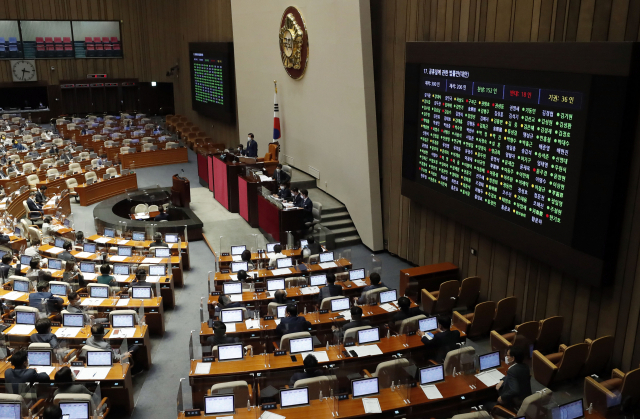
163, 216
157, 241
47, 228
74, 306
515, 386
311, 370
21, 373
52, 411
96, 340
331, 289
72, 273
79, 238
33, 249
105, 277
7, 258
34, 206
64, 379
292, 323
280, 176
246, 257
44, 335
34, 272
219, 335
314, 248
277, 254
374, 278
280, 297
356, 319
283, 192
443, 341
224, 301
140, 279
41, 198
66, 255
406, 311
296, 198
35, 298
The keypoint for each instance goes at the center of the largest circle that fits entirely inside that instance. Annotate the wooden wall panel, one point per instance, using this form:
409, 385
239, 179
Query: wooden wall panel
155, 36
589, 312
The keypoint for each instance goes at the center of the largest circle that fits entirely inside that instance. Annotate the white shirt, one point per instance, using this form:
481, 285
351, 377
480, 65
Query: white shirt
31, 251
47, 229
272, 260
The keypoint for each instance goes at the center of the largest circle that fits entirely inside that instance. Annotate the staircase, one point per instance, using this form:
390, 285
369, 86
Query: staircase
339, 222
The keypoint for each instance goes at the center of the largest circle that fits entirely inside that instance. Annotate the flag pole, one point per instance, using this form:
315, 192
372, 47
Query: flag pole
275, 84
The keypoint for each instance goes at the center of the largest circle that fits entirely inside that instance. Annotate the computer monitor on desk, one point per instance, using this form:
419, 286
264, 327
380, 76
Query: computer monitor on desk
239, 266
87, 267
171, 238
270, 247
230, 288
125, 251
428, 324
138, 236
120, 269
571, 410
72, 320
99, 292
109, 232
58, 289
25, 259
294, 397
282, 311
143, 293
25, 317
284, 263
355, 274
76, 410
232, 315
162, 252
59, 242
237, 250
11, 410
21, 285
318, 280
326, 257
301, 345
54, 264
366, 336
123, 320
364, 387
99, 359
340, 304
89, 247
157, 270
275, 284
230, 352
39, 358
430, 375
214, 405
489, 361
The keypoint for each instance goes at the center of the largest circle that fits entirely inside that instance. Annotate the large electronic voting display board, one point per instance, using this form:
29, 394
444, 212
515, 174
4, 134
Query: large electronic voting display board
529, 150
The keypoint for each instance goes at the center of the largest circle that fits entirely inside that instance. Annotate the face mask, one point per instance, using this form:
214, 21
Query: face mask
282, 187
249, 138
506, 360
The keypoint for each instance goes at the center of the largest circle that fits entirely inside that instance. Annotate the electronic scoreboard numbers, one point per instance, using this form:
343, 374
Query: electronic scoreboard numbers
511, 149
208, 78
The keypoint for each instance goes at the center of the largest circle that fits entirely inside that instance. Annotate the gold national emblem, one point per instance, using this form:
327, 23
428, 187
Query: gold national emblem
294, 43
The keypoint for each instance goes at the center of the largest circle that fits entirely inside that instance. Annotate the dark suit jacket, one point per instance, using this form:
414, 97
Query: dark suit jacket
284, 193
355, 323
252, 149
4, 270
35, 298
40, 198
67, 256
516, 385
292, 325
329, 291
442, 343
281, 177
160, 217
314, 248
296, 200
401, 315
21, 376
302, 375
49, 338
215, 340
307, 207
361, 300
33, 206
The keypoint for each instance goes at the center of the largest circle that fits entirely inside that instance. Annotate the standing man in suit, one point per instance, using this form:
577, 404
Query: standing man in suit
40, 196
252, 147
307, 206
331, 289
443, 341
515, 386
33, 205
280, 176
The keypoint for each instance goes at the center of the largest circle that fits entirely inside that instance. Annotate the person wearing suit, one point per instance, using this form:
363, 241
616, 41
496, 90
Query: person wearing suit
284, 193
67, 157
162, 216
296, 198
375, 280
252, 147
356, 319
443, 341
280, 176
515, 386
157, 241
43, 293
314, 248
44, 335
41, 198
311, 370
331, 289
219, 335
292, 323
406, 311
21, 373
225, 302
307, 206
33, 205
65, 381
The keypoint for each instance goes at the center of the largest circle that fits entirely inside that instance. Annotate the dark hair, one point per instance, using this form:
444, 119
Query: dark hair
292, 310
67, 245
331, 278
52, 412
374, 277
444, 321
242, 275
311, 239
517, 352
304, 192
251, 135
310, 363
7, 258
279, 296
157, 236
404, 303
46, 276
224, 300
47, 220
294, 189
277, 248
356, 313
43, 187
161, 209
97, 329
34, 263
219, 328
141, 274
42, 285
105, 269
279, 165
79, 236
63, 375
72, 296
18, 358
246, 255
43, 325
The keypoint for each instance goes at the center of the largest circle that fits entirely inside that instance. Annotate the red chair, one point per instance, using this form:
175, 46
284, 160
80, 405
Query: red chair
57, 40
48, 40
116, 49
105, 39
114, 39
66, 40
97, 39
88, 40
90, 50
99, 50
39, 40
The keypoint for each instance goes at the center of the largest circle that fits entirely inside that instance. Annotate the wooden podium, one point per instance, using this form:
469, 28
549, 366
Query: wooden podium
180, 192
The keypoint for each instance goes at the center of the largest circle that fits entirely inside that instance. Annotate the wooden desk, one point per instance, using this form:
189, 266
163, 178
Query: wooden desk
64, 206
225, 183
117, 386
276, 222
155, 158
248, 191
103, 189
61, 182
225, 261
429, 277
153, 310
140, 337
149, 216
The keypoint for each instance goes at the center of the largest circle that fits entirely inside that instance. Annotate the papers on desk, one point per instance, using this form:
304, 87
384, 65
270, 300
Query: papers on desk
123, 302
321, 356
151, 260
234, 277
68, 332
371, 405
309, 290
126, 332
327, 265
117, 258
346, 314
92, 301
388, 307
99, 373
153, 278
89, 277
271, 294
367, 350
55, 250
14, 295
283, 271
431, 391
46, 370
83, 255
270, 415
102, 240
203, 368
172, 245
252, 324
490, 378
277, 322
236, 258
122, 242
231, 327
142, 216
236, 298
264, 178
21, 329
120, 278
359, 283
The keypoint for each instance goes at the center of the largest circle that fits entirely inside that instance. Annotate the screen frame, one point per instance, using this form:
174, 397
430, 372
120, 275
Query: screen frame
233, 359
368, 394
441, 366
489, 368
72, 314
230, 310
294, 405
206, 412
271, 281
110, 359
572, 401
367, 330
301, 338
131, 316
77, 402
339, 299
43, 351
143, 287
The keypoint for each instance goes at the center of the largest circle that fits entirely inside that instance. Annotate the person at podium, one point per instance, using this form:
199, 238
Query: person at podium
296, 198
280, 176
252, 147
284, 193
